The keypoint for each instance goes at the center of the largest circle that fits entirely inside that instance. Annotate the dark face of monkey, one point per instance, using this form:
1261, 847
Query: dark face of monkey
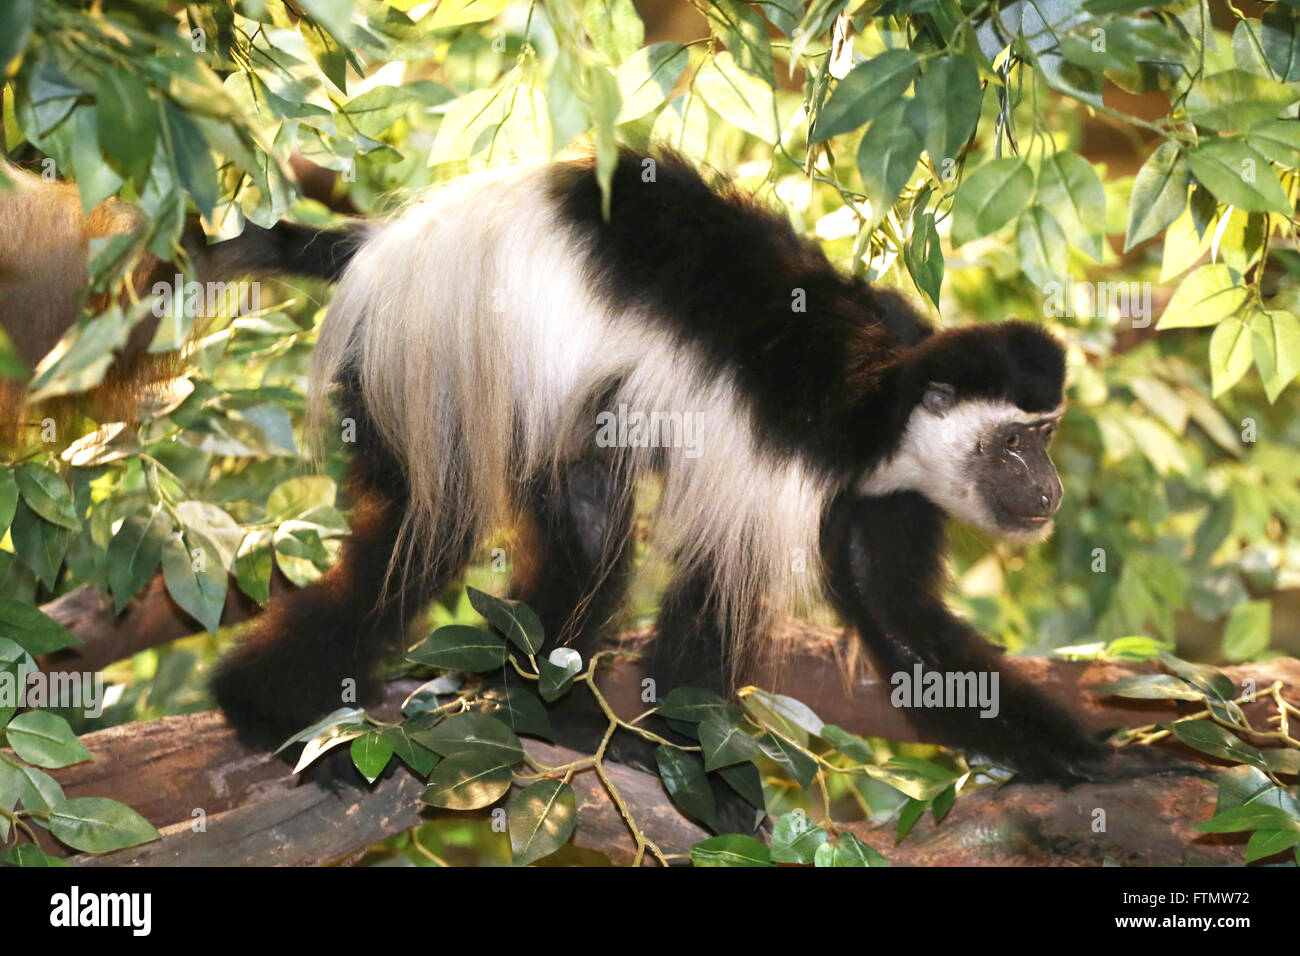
984, 461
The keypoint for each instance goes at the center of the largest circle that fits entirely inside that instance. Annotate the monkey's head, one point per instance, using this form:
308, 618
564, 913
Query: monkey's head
978, 408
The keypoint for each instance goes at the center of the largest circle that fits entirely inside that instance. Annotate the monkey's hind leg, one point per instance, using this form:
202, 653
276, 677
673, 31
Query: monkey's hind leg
577, 577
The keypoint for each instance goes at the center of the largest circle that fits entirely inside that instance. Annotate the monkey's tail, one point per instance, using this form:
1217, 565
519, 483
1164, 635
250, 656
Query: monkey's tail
285, 249
316, 649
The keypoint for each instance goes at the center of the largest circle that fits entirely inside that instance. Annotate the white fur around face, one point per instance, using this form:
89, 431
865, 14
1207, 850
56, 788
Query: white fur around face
934, 459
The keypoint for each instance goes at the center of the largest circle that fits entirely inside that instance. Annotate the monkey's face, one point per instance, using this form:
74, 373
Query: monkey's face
983, 461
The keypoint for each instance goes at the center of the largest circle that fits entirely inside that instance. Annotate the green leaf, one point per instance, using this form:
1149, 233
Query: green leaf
744, 32
851, 745
1247, 632
192, 157
887, 156
1208, 737
865, 93
461, 648
783, 714
518, 709
1238, 176
724, 743
99, 825
795, 762
39, 544
1276, 338
467, 781
542, 818
990, 197
16, 17
744, 779
1150, 687
29, 854
32, 629
683, 777
948, 97
45, 740
556, 678
8, 499
46, 493
1207, 296
614, 26
647, 78
1235, 99
1231, 353
295, 497
336, 15
1041, 246
692, 705
731, 849
1265, 843
134, 553
923, 255
853, 852
1279, 140
1250, 816
374, 111
1279, 35
1159, 194
1072, 190
795, 839
127, 123
419, 758
738, 97
195, 577
683, 126
254, 563
371, 753
472, 733
514, 619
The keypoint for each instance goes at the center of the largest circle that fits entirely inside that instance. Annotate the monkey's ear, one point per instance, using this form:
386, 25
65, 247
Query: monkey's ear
938, 398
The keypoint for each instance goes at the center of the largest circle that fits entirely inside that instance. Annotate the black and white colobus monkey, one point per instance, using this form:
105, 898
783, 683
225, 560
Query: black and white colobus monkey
476, 337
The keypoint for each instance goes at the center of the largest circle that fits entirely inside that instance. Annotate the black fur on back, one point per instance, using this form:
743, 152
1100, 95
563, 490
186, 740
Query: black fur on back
831, 382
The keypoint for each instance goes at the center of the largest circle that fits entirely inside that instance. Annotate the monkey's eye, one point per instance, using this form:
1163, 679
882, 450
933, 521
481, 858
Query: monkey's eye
1013, 441
938, 398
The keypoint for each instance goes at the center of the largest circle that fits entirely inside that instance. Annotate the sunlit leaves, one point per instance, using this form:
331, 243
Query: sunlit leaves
866, 92
1277, 350
992, 196
1205, 297
647, 78
135, 552
542, 817
1159, 194
127, 121
1231, 353
948, 97
1235, 99
1246, 634
467, 781
451, 13
886, 157
1238, 175
195, 576
738, 97
1070, 189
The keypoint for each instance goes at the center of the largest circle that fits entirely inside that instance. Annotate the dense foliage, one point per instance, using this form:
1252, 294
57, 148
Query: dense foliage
947, 147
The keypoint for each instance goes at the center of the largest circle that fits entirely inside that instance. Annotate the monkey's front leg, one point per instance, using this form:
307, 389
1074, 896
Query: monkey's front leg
884, 556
